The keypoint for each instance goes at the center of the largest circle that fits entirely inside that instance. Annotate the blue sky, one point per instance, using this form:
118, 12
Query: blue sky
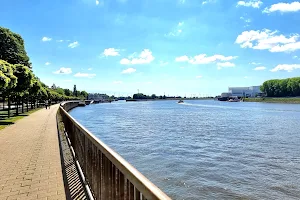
180, 47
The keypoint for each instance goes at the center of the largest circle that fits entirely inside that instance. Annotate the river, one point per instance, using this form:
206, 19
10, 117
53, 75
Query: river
205, 149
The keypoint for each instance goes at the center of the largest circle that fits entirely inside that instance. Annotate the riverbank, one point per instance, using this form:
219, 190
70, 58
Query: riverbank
170, 99
292, 100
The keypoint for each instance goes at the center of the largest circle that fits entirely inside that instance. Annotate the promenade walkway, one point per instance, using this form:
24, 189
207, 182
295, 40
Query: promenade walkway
30, 161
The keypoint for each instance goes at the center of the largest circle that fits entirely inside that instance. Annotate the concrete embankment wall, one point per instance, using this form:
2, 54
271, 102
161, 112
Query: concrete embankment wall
70, 105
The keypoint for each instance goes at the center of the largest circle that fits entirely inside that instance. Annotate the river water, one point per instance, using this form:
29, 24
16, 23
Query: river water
205, 149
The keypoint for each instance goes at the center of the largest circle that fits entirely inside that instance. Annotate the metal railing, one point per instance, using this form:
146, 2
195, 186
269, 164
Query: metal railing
108, 175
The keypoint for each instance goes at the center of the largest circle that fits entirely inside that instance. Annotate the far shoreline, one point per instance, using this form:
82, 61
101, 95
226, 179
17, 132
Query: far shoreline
283, 100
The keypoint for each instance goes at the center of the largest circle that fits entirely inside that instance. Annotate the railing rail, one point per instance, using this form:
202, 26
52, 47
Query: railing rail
107, 173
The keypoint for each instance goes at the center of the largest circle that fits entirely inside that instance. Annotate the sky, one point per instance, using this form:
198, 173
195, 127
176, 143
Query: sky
171, 47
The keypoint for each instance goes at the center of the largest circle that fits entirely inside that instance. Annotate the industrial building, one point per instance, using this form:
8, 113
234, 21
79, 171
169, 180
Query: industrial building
251, 91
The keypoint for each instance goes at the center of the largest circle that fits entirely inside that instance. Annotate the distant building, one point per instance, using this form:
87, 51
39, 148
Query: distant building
97, 96
251, 91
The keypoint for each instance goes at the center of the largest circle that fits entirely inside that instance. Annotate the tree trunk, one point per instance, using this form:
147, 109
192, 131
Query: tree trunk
8, 109
4, 103
27, 103
22, 104
17, 106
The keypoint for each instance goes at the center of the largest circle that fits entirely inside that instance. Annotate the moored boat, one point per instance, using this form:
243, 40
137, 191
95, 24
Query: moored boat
180, 101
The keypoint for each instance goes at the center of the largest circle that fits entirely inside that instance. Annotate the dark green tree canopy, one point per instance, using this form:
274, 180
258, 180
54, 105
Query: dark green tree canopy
282, 87
12, 48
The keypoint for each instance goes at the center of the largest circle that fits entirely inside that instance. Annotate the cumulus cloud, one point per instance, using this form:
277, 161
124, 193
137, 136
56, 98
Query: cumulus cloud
204, 59
90, 69
283, 7
254, 63
97, 2
207, 1
199, 76
145, 57
176, 31
286, 67
268, 40
47, 63
73, 45
225, 64
259, 68
117, 82
84, 75
162, 63
251, 3
59, 40
63, 70
46, 39
111, 52
128, 71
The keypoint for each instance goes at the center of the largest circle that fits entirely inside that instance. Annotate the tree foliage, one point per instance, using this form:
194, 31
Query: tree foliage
12, 48
282, 87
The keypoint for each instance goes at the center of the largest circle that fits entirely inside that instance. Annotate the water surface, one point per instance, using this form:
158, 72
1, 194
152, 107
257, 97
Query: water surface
205, 149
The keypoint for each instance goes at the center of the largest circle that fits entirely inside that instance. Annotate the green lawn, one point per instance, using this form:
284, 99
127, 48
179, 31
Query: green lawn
4, 122
274, 100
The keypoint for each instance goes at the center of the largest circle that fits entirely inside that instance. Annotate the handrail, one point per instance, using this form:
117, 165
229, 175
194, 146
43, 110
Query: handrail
107, 173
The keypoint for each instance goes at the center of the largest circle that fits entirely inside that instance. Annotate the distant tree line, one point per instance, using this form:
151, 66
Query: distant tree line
153, 96
18, 83
282, 87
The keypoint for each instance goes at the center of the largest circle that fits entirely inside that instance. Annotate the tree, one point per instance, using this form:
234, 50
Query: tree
84, 94
25, 78
282, 87
75, 91
153, 96
68, 92
8, 81
12, 48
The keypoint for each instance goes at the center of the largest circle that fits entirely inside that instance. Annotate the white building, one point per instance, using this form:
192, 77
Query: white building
251, 91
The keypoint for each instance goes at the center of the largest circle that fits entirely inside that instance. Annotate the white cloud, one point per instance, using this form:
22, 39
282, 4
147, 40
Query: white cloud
90, 69
176, 31
268, 40
84, 75
286, 67
145, 57
207, 1
199, 76
181, 1
59, 40
128, 71
67, 80
73, 45
63, 70
47, 63
254, 63
283, 7
162, 63
259, 68
111, 52
117, 82
46, 39
251, 3
204, 59
246, 77
225, 64
97, 2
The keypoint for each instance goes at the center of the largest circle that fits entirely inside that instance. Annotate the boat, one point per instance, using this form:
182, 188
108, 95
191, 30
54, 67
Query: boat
180, 101
234, 100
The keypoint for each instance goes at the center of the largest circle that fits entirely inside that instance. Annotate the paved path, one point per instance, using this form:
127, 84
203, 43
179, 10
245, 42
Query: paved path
30, 163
